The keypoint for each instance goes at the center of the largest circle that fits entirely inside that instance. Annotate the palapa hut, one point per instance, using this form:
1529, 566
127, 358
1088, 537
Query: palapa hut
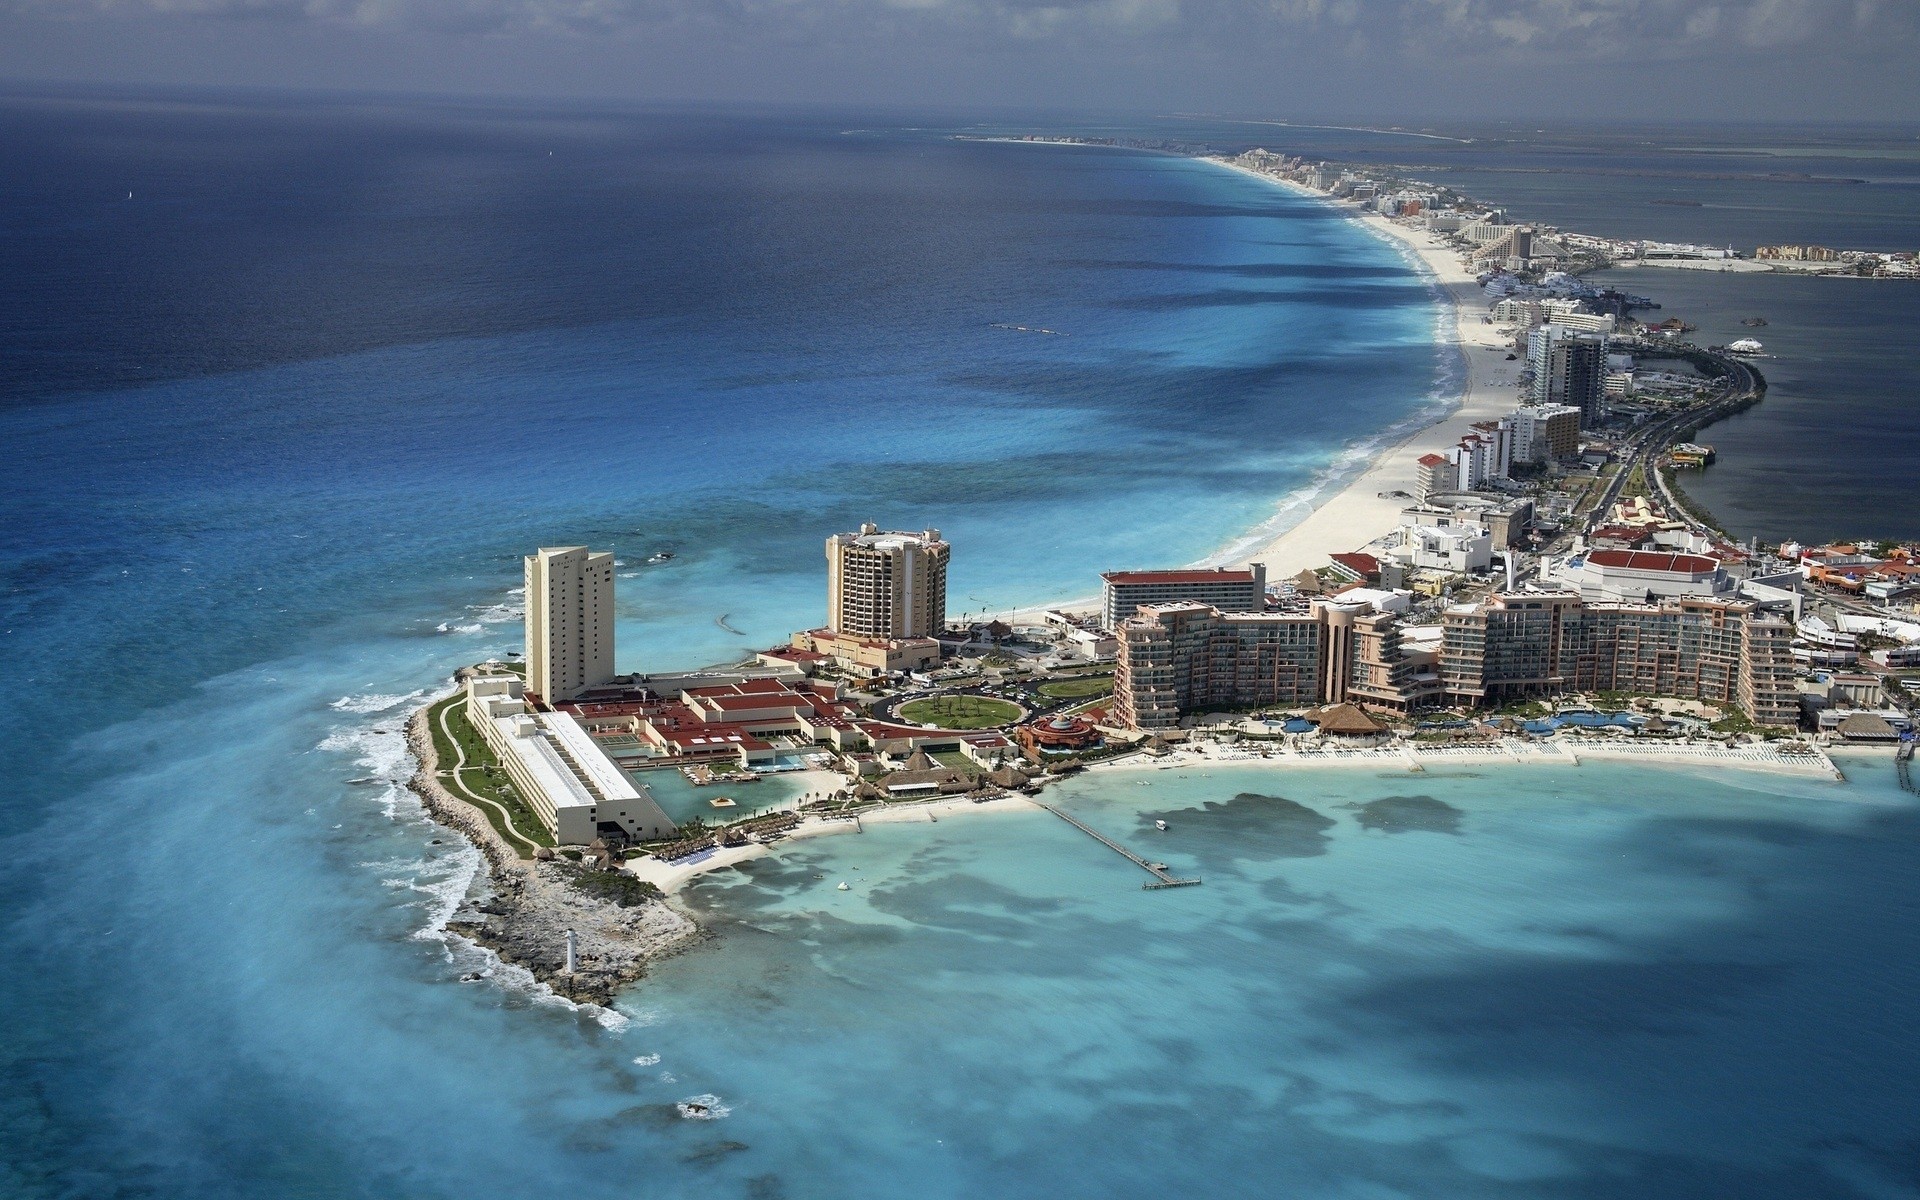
1008, 776
1346, 721
920, 761
1867, 727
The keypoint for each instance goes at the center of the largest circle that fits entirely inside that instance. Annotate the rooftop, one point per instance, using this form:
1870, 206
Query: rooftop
1207, 575
1651, 560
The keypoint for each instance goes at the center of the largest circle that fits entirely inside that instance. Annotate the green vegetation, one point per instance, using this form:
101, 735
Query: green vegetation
961, 712
1689, 504
955, 759
483, 777
1076, 689
616, 886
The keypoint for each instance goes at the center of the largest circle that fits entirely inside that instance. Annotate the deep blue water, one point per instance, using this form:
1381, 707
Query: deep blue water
282, 425
1831, 452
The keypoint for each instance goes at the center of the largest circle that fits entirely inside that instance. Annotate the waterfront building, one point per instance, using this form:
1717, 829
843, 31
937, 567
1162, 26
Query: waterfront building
1544, 433
1523, 645
865, 655
1569, 369
576, 791
1179, 658
1434, 473
1457, 549
886, 585
1582, 322
1230, 589
569, 621
1506, 519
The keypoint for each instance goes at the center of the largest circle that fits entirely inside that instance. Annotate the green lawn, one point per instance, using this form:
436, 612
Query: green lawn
961, 712
1077, 689
493, 785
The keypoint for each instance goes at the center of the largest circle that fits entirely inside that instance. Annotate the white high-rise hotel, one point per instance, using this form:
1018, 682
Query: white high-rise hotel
569, 621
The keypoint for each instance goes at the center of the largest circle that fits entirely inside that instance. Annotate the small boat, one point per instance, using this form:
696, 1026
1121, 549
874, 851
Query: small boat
663, 556
693, 1108
844, 887
1160, 825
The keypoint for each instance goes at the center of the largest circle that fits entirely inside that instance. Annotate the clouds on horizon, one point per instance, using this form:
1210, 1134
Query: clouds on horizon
1575, 28
1188, 50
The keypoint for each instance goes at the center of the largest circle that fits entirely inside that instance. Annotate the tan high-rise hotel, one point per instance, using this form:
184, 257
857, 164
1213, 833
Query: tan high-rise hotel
569, 621
886, 585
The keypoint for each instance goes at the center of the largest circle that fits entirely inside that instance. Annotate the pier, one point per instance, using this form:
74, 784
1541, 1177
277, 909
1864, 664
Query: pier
1903, 766
1162, 877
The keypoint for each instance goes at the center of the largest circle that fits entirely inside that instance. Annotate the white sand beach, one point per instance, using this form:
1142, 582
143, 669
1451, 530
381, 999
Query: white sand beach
1363, 511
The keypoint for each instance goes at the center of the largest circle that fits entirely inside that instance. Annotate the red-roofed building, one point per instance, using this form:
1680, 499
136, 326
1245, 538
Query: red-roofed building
1605, 575
1229, 589
1355, 567
1434, 473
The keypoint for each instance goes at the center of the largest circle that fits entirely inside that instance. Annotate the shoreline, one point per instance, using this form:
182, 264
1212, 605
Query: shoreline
533, 904
1337, 517
1346, 506
1359, 511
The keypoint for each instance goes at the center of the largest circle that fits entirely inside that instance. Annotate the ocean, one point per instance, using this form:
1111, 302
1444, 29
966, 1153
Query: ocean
291, 384
1829, 454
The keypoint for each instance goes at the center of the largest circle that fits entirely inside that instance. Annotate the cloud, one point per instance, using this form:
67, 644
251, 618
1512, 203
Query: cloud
1519, 31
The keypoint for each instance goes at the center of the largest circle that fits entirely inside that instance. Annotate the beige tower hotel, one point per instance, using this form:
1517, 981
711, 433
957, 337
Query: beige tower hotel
569, 621
886, 585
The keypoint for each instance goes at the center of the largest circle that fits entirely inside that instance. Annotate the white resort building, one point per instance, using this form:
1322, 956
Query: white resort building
574, 788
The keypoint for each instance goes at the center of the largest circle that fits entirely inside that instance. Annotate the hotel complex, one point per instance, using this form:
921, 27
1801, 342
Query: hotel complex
569, 621
1229, 589
1537, 645
886, 601
886, 585
572, 786
1182, 658
1177, 658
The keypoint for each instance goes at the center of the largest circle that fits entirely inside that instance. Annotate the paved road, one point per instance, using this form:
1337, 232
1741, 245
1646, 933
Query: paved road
1648, 444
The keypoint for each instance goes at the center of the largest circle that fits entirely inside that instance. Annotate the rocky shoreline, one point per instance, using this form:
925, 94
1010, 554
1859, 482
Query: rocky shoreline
533, 904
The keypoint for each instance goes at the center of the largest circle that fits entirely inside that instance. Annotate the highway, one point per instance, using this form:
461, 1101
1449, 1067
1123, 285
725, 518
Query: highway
1745, 385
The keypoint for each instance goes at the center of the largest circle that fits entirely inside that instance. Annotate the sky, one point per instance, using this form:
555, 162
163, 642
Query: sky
1403, 59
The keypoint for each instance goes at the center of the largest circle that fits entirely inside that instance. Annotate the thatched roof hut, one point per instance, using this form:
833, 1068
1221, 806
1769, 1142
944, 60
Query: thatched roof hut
1867, 727
1008, 776
1347, 720
920, 761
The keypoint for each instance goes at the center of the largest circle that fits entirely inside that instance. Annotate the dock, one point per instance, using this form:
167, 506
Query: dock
1162, 877
1903, 766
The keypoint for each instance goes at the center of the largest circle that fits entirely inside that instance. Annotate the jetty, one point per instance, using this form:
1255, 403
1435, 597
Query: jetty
1161, 876
1903, 766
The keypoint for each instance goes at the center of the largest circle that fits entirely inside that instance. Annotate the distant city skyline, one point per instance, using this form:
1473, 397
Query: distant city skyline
1400, 59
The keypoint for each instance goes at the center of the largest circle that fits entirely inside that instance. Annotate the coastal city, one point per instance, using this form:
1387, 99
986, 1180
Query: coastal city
963, 600
1525, 581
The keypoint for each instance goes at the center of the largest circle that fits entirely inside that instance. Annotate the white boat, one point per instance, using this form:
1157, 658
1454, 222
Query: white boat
1160, 825
844, 887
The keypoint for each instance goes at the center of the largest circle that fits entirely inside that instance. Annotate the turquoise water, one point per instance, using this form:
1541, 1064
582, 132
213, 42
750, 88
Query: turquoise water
282, 430
1605, 980
284, 424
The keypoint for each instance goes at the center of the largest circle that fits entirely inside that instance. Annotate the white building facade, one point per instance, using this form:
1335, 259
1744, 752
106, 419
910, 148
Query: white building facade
569, 621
